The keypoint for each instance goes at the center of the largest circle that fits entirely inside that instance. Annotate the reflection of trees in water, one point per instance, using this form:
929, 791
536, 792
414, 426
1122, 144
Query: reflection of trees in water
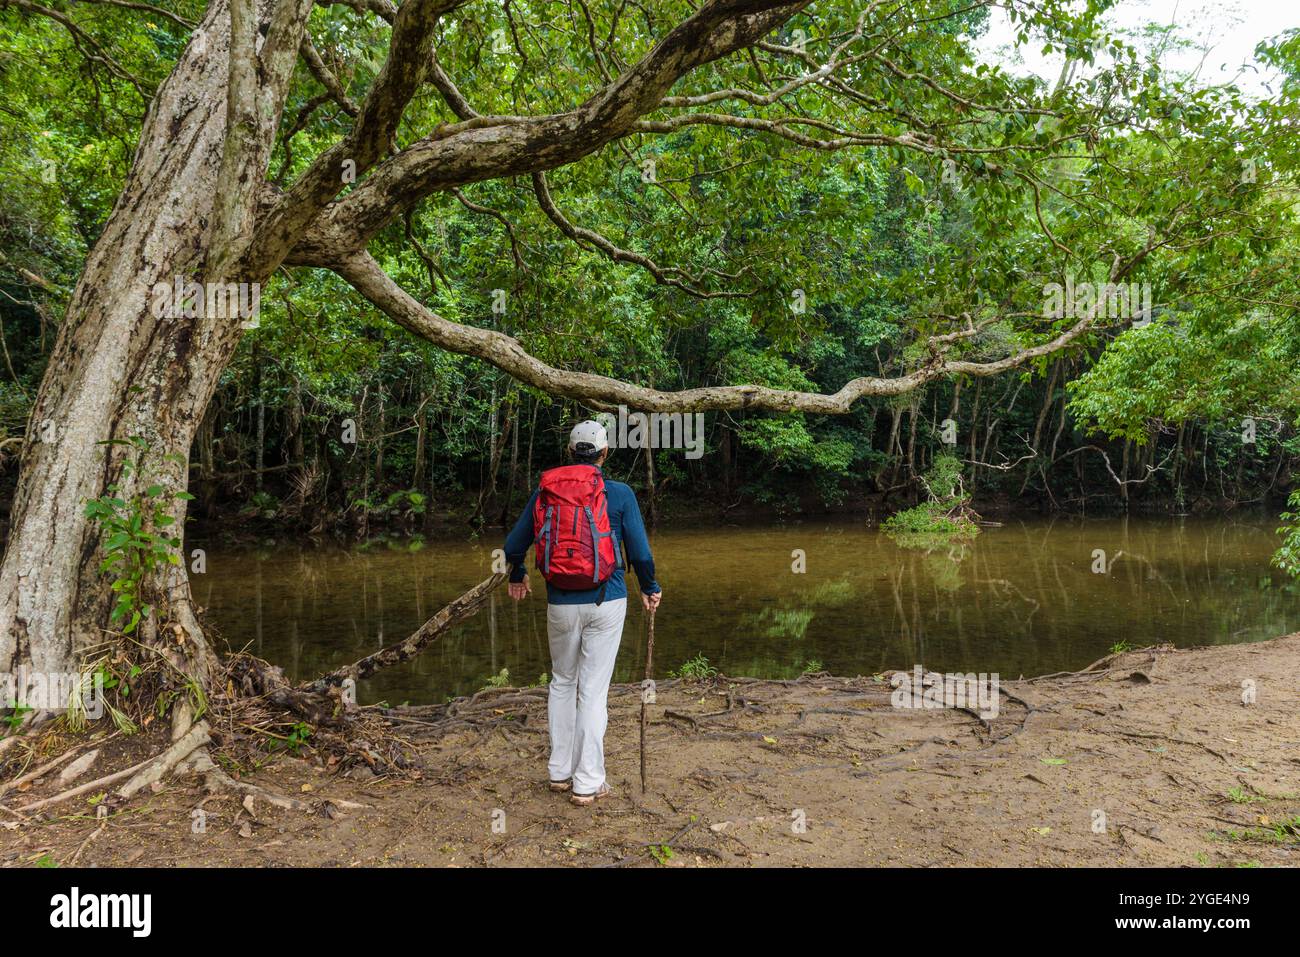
1035, 600
1021, 598
796, 610
954, 604
839, 591
945, 569
789, 623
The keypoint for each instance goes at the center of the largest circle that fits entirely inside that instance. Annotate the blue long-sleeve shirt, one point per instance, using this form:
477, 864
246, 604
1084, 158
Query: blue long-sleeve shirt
629, 533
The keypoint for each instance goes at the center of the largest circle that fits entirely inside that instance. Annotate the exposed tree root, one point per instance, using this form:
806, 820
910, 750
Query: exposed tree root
250, 702
262, 697
38, 773
197, 736
484, 710
145, 773
72, 861
216, 780
89, 786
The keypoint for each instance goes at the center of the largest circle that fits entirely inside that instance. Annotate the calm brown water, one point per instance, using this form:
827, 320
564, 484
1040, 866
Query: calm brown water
1022, 600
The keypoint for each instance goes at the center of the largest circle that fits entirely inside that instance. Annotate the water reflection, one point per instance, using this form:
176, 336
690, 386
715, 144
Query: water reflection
1021, 599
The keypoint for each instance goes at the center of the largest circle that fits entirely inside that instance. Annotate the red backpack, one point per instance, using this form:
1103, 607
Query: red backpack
575, 547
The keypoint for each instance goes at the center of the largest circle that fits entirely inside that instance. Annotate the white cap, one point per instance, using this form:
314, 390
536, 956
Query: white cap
592, 433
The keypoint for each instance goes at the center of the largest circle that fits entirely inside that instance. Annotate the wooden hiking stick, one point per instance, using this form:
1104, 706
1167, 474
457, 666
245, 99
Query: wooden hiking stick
645, 688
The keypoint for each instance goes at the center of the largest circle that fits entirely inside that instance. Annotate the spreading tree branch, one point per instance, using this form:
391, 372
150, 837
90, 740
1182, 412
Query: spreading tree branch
507, 354
491, 147
667, 276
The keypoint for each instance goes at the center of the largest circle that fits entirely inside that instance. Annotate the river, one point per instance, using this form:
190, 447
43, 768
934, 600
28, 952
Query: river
1026, 598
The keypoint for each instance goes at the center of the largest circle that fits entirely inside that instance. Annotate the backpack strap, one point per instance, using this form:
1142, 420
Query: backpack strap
548, 534
595, 543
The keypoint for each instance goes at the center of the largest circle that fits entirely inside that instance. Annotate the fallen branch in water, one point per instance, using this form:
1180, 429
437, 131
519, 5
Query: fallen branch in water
456, 611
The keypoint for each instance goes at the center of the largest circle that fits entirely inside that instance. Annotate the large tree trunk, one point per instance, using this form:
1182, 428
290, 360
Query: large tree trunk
118, 372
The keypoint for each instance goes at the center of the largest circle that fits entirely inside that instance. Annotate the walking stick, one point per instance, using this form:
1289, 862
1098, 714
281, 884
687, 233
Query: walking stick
645, 688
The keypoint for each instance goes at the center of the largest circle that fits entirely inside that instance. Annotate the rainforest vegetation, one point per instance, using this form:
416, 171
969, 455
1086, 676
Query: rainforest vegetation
1194, 411
864, 250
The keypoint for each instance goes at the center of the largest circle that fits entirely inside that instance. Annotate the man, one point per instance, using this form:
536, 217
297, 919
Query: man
584, 624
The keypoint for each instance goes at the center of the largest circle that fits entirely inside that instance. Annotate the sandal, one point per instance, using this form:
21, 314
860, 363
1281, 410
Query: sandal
560, 787
586, 800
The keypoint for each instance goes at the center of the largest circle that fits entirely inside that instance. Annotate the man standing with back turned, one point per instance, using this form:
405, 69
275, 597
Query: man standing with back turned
580, 522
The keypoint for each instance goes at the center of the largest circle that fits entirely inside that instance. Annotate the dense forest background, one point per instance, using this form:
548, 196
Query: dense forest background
1168, 421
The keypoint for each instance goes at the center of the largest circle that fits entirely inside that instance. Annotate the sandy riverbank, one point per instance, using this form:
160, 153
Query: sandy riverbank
1158, 741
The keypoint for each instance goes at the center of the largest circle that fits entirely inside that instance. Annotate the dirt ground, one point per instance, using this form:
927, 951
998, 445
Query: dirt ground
1150, 758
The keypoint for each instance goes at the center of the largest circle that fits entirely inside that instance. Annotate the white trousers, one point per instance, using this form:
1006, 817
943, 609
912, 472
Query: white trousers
584, 642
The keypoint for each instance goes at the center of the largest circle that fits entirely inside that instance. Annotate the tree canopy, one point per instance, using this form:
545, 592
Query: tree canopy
767, 209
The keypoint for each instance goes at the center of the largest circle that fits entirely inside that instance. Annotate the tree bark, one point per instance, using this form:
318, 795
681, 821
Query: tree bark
118, 371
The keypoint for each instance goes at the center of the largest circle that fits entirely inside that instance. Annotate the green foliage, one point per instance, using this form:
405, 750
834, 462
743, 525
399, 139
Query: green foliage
15, 715
888, 245
1285, 832
695, 669
662, 853
929, 520
1239, 795
261, 505
135, 540
943, 519
404, 503
298, 737
1164, 372
1287, 557
943, 482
